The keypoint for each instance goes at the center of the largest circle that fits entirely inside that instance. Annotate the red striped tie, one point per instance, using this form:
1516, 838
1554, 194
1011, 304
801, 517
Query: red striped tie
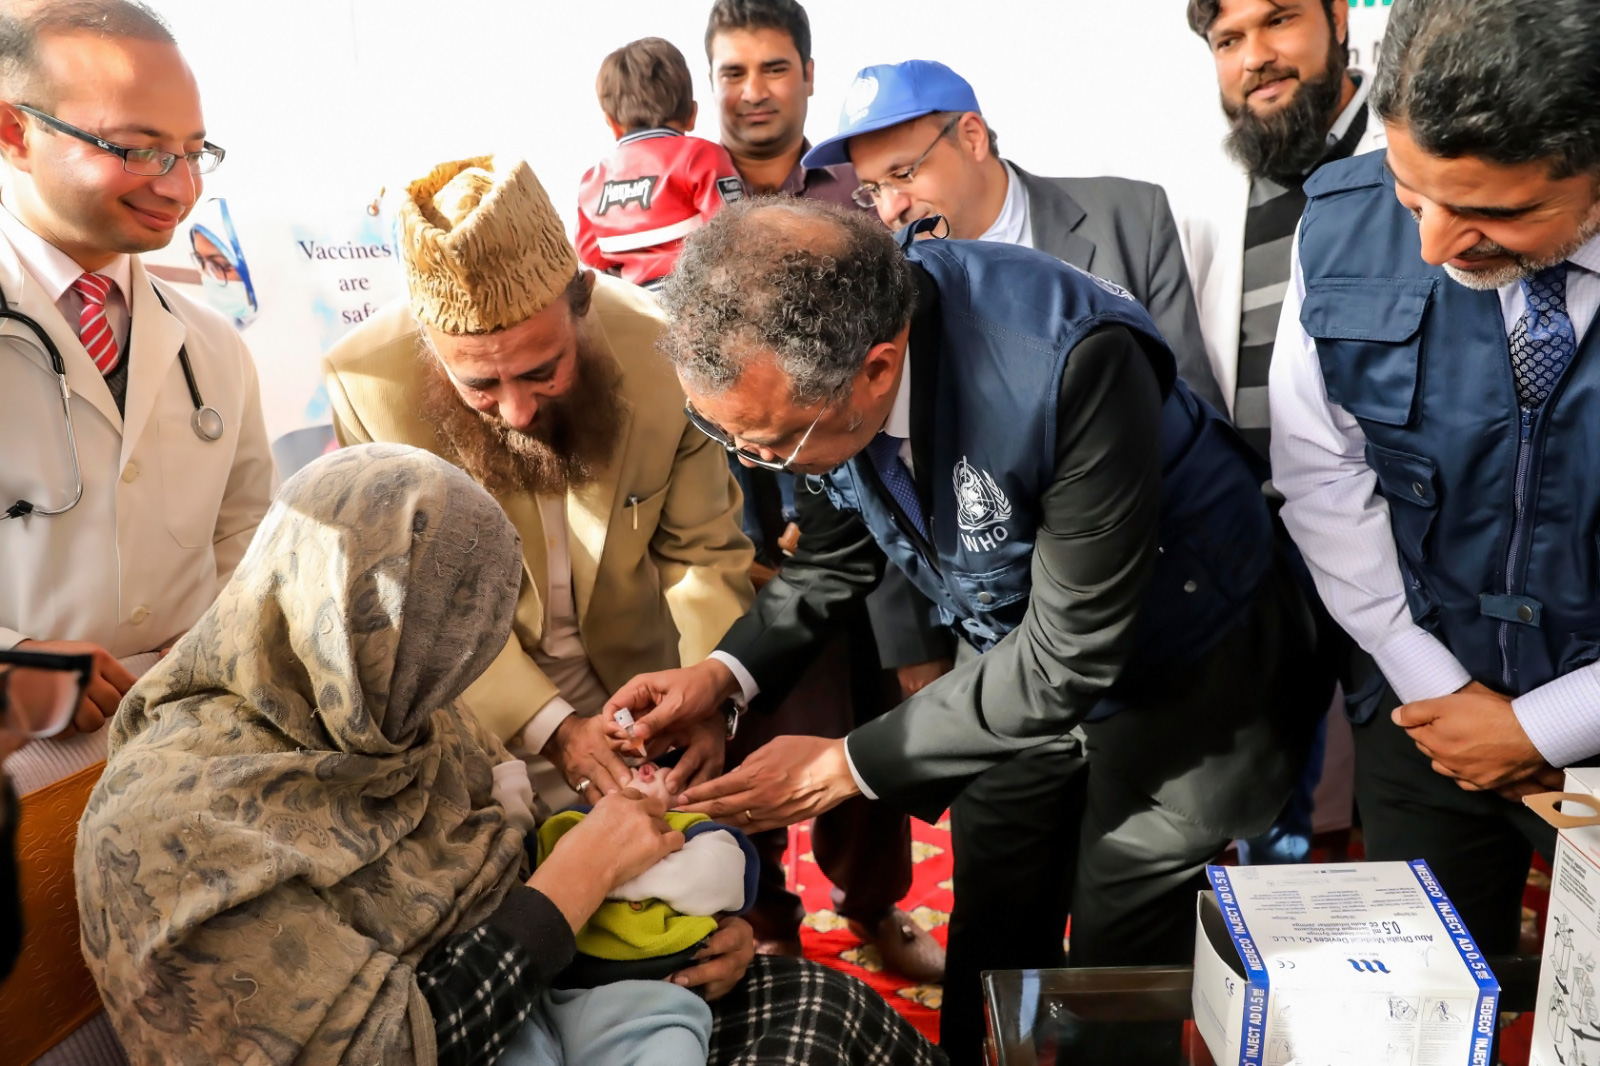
93, 329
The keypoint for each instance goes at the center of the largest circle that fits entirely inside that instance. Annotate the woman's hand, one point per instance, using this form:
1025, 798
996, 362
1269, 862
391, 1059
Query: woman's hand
621, 838
722, 962
628, 829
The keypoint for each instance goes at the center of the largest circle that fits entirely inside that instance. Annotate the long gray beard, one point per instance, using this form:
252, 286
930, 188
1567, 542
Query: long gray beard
572, 440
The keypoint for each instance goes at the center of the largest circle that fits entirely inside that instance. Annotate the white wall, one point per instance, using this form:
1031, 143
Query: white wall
320, 103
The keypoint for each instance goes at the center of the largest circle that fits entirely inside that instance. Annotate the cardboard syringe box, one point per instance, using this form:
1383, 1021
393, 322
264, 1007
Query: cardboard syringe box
1365, 964
1566, 1017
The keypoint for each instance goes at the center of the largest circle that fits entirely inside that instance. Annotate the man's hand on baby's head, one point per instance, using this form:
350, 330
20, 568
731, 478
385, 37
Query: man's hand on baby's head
650, 780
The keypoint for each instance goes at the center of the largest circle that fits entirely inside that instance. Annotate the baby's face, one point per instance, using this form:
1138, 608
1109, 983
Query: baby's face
651, 780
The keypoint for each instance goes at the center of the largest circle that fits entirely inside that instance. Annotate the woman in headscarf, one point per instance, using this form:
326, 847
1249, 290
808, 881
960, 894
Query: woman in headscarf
298, 852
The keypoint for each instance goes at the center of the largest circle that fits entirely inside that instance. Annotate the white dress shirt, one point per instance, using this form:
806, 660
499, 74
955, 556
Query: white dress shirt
1013, 225
1342, 526
560, 652
897, 425
1347, 117
55, 271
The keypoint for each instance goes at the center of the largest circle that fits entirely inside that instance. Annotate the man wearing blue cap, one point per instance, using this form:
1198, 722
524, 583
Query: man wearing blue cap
921, 147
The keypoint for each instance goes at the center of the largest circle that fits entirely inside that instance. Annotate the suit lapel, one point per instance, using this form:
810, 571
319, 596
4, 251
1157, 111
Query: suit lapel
25, 296
1055, 216
591, 509
154, 337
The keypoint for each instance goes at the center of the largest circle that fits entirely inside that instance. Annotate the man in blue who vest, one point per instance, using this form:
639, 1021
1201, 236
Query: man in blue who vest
1011, 433
1435, 396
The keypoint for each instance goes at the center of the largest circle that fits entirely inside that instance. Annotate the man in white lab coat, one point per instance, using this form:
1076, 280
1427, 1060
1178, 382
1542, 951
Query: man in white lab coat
102, 130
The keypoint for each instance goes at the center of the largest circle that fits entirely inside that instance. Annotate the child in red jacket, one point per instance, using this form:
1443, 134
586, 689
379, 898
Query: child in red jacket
660, 185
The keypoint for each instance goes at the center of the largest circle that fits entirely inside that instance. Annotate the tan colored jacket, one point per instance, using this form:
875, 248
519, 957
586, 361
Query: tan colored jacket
651, 594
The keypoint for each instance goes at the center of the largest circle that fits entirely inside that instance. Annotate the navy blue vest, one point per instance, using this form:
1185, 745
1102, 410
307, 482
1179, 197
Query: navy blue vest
1008, 320
1495, 513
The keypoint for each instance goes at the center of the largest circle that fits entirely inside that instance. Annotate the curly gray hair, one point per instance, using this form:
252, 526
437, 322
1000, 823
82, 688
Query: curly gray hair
807, 284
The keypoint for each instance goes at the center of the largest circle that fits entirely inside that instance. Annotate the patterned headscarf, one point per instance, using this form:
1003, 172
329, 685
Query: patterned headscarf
294, 811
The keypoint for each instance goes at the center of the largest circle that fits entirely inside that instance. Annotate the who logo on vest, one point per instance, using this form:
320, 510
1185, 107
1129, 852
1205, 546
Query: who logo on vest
980, 505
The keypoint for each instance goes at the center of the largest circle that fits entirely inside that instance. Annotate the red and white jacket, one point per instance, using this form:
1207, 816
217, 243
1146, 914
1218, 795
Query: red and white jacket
659, 186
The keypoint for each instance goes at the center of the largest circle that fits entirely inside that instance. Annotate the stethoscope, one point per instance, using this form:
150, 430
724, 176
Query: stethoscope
206, 421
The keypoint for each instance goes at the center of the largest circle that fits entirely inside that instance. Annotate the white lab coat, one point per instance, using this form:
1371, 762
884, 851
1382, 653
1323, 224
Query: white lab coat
1210, 208
165, 516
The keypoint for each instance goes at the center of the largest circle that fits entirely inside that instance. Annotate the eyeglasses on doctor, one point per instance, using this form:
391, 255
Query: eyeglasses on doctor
724, 438
869, 193
149, 162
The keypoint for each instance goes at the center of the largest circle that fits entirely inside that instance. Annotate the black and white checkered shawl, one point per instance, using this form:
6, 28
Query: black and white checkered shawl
789, 1012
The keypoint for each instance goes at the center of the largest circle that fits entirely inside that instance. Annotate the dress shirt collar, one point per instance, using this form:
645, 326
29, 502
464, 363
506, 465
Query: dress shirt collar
801, 177
53, 269
1582, 291
899, 424
1587, 256
1011, 225
1341, 125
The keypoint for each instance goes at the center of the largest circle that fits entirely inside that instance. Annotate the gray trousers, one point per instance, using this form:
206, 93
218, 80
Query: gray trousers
1115, 823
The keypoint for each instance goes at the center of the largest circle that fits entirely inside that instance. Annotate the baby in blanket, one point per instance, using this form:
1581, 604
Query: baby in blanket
613, 1004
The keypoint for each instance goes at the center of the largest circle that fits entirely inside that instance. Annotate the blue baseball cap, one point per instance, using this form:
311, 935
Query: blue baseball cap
889, 94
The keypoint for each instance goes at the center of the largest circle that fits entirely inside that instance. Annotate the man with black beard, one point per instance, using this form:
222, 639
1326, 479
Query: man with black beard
541, 380
1292, 104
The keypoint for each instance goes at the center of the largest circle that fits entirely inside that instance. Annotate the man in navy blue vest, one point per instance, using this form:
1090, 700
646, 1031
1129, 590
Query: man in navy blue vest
1012, 434
1435, 397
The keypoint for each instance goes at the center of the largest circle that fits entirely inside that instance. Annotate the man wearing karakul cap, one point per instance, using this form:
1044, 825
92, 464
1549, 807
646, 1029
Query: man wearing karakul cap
541, 380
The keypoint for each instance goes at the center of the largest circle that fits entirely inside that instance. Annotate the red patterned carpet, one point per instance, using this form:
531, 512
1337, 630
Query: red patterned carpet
826, 940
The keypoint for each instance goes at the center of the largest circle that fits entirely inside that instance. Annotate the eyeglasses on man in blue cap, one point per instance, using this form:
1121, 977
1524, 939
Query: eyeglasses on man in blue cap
889, 94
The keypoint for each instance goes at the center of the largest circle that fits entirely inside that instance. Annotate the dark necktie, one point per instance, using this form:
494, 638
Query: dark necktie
1543, 341
884, 452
